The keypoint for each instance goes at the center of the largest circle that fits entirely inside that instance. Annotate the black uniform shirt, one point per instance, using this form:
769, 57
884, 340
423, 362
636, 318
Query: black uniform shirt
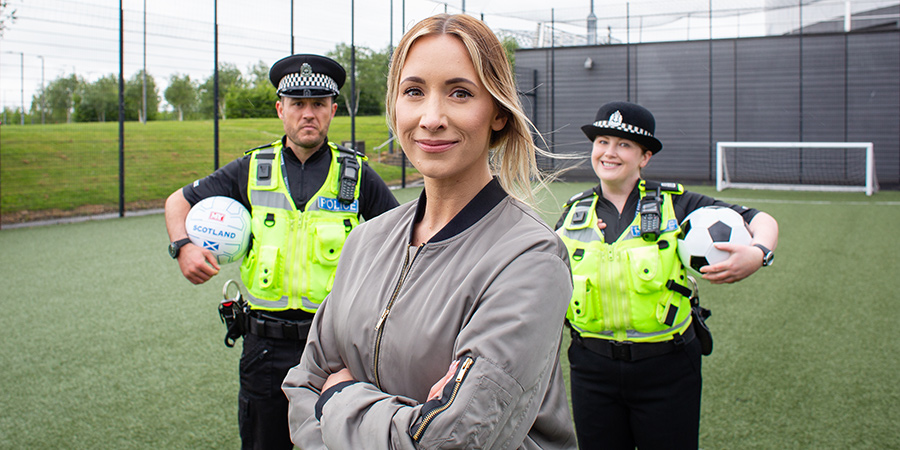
305, 180
617, 223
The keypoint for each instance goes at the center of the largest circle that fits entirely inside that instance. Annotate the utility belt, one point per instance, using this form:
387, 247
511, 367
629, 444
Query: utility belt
634, 351
240, 320
269, 327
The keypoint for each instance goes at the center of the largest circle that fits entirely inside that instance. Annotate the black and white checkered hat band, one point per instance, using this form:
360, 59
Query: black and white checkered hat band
296, 81
622, 126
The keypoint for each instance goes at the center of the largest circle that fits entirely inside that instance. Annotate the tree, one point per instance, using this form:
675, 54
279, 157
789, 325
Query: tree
230, 78
6, 16
181, 94
255, 97
99, 101
371, 79
510, 45
134, 97
60, 96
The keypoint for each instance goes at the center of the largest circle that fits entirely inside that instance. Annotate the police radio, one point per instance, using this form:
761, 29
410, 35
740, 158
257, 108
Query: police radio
348, 177
649, 208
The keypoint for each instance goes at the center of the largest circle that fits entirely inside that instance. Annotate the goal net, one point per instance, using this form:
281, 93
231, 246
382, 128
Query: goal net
797, 166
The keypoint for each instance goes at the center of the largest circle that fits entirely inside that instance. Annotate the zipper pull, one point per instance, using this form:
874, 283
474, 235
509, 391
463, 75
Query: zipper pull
381, 320
465, 368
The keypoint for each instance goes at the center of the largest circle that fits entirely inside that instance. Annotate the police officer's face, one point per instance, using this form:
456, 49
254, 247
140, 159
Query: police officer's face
444, 114
306, 120
618, 160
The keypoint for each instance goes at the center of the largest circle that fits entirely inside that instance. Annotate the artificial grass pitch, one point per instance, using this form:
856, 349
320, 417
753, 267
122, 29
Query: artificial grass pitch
106, 345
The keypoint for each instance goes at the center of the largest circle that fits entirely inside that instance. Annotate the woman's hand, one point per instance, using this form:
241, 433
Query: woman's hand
338, 377
742, 262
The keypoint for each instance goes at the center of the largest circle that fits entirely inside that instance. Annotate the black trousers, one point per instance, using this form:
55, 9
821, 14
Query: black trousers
652, 403
262, 406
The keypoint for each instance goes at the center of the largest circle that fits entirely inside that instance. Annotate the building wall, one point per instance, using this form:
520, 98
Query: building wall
825, 87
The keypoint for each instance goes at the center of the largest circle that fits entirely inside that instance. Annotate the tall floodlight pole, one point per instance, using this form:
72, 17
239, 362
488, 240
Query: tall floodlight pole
352, 77
553, 77
215, 85
22, 84
403, 153
42, 88
292, 27
121, 110
390, 55
144, 78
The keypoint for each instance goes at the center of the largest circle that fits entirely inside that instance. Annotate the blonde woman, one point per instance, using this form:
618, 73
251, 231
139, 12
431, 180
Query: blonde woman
444, 327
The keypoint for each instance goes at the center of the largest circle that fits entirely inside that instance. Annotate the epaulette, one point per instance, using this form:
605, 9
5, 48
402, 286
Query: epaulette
350, 151
579, 196
665, 186
270, 144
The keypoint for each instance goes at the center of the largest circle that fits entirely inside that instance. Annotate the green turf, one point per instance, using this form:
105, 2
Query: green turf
106, 345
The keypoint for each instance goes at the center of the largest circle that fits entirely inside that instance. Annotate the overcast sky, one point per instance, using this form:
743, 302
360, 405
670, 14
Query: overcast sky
82, 36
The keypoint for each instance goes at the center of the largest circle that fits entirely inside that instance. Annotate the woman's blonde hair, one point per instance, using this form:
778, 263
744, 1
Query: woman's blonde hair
512, 149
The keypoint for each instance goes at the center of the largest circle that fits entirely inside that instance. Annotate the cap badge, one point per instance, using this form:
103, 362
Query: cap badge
615, 119
305, 70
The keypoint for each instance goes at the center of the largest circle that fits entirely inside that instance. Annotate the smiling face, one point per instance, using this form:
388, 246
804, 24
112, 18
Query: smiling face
618, 161
306, 122
444, 114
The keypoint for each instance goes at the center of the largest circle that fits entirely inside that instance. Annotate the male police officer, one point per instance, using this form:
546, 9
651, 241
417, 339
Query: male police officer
304, 195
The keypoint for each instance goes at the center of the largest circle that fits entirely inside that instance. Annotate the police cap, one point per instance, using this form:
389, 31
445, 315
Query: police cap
307, 76
625, 120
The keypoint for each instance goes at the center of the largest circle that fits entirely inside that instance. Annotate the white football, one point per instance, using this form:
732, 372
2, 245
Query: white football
703, 228
220, 225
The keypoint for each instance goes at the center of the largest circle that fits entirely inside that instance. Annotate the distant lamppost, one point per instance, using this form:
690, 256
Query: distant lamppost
42, 88
21, 81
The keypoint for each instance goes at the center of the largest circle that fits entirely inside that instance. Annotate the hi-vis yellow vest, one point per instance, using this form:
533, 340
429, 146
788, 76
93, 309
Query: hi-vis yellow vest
294, 254
630, 290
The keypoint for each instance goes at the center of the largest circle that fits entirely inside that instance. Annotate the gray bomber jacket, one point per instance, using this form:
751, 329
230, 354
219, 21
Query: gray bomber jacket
490, 290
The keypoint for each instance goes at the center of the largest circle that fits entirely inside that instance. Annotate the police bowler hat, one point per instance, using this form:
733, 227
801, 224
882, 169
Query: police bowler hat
625, 120
307, 76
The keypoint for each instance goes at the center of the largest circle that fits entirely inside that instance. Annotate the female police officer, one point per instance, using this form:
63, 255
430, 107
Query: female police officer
635, 361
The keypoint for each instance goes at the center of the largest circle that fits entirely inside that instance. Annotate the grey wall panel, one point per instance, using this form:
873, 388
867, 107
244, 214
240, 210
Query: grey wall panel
836, 87
673, 83
874, 99
768, 96
824, 88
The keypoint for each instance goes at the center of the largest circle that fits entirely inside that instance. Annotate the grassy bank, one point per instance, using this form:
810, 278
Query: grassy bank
71, 167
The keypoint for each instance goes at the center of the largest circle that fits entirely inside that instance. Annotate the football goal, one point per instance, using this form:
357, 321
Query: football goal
797, 166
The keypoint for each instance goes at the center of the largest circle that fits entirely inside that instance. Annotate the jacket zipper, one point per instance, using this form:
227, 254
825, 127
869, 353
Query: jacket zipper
379, 327
431, 414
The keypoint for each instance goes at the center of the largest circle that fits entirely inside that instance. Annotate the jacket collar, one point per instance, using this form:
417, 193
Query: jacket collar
483, 202
286, 149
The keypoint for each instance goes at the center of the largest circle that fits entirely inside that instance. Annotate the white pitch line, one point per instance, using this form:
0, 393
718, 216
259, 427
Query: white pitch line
738, 201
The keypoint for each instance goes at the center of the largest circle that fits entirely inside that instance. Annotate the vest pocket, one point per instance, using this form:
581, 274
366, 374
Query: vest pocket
645, 273
269, 269
585, 305
329, 239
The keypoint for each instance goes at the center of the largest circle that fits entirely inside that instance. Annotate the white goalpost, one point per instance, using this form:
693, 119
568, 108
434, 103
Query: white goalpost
797, 166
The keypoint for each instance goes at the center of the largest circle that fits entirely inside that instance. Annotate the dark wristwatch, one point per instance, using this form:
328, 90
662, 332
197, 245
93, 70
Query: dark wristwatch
767, 254
175, 247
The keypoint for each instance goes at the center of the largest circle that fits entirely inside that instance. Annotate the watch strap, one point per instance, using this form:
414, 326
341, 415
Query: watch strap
767, 254
175, 247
